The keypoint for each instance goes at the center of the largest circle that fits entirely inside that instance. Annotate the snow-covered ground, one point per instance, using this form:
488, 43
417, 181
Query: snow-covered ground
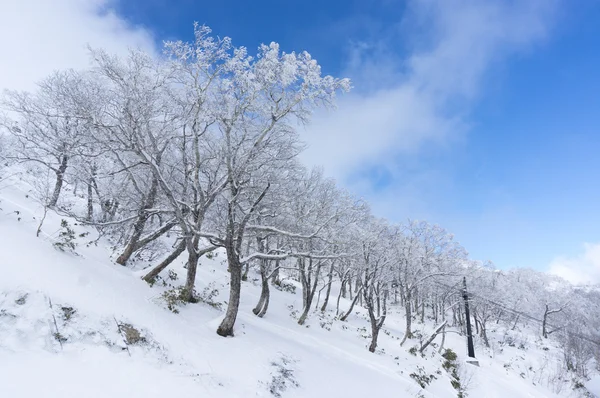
65, 319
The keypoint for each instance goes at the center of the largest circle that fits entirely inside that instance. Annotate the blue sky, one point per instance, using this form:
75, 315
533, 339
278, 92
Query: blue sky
481, 116
516, 176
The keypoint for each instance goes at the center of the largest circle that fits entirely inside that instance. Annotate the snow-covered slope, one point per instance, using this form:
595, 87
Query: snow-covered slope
65, 320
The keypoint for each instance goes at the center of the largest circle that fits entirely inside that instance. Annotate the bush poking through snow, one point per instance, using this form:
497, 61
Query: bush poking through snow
284, 286
68, 313
413, 350
131, 334
208, 295
452, 366
283, 376
22, 300
59, 337
66, 237
174, 297
421, 377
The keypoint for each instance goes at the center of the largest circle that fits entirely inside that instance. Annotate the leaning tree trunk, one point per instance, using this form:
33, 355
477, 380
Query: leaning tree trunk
138, 226
235, 276
149, 277
60, 177
347, 314
437, 331
515, 324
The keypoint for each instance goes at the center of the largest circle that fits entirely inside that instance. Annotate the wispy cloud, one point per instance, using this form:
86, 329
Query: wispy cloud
583, 268
425, 95
39, 36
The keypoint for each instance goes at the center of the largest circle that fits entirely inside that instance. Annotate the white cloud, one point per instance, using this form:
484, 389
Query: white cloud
39, 36
581, 269
425, 96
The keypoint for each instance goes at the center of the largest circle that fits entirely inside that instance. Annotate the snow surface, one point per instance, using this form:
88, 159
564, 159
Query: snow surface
183, 356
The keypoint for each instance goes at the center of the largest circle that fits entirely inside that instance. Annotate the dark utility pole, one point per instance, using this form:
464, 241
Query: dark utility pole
470, 348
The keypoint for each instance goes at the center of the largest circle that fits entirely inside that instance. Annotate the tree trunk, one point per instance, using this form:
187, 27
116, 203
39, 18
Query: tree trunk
165, 263
275, 276
484, 335
304, 315
235, 276
90, 202
408, 309
376, 323
545, 320
247, 265
340, 295
311, 289
138, 226
60, 175
350, 288
378, 302
192, 265
263, 301
266, 303
515, 324
443, 341
330, 280
246, 270
433, 336
347, 314
374, 333
358, 282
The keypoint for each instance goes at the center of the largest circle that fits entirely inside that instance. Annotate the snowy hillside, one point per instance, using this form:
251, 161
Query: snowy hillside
77, 324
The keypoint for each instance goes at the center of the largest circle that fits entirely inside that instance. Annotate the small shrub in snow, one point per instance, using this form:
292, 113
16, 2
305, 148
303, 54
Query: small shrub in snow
172, 299
59, 337
66, 237
285, 286
293, 312
22, 300
449, 355
208, 296
325, 322
283, 377
172, 275
131, 335
68, 313
421, 377
413, 350
451, 366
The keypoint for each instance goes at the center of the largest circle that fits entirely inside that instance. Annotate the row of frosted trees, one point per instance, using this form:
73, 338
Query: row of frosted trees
202, 143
